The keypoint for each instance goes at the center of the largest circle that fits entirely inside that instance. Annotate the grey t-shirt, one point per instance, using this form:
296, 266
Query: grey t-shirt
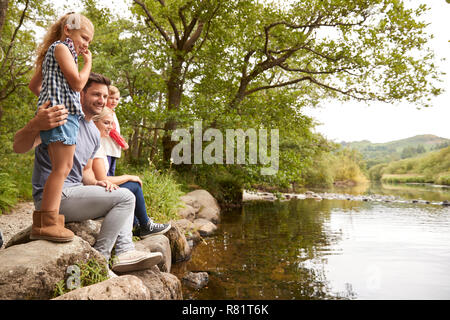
88, 142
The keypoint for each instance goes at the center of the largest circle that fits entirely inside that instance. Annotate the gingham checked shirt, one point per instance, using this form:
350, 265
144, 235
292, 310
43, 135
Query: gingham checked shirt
54, 85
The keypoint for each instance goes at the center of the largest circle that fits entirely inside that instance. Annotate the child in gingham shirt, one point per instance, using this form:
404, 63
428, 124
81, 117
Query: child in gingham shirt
57, 81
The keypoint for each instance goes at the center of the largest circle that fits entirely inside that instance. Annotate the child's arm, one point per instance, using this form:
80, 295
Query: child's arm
76, 80
36, 82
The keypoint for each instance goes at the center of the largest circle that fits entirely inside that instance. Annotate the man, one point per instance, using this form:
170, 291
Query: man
84, 197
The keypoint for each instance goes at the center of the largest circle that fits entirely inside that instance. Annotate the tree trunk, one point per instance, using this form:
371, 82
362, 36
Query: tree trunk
3, 10
174, 94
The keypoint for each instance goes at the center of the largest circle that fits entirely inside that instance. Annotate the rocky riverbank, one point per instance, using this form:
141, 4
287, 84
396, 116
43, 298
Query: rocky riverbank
31, 270
267, 196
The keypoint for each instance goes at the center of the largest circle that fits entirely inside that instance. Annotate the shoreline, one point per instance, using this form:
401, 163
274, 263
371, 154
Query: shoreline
248, 195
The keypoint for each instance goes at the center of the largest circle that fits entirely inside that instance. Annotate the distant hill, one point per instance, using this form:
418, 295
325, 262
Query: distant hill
376, 153
431, 167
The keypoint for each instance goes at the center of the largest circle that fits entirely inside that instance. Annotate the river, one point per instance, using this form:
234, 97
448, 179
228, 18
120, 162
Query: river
330, 249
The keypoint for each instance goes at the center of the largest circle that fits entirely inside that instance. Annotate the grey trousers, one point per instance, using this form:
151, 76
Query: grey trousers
91, 202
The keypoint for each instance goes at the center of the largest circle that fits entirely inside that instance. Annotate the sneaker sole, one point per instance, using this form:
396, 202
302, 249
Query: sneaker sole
156, 233
142, 264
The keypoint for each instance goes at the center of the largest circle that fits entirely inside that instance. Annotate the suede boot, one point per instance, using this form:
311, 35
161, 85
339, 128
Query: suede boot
49, 225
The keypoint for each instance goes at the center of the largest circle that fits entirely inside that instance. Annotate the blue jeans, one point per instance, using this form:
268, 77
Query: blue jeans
140, 211
112, 165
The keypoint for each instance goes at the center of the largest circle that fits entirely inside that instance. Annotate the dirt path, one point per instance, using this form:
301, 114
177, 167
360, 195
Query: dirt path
19, 218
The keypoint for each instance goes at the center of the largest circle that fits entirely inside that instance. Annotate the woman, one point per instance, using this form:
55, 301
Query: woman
104, 122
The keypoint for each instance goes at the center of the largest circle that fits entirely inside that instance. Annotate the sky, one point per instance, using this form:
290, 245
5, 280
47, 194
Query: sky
379, 122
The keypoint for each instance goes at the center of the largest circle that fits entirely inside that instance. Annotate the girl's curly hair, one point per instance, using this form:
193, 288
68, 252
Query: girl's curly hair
55, 33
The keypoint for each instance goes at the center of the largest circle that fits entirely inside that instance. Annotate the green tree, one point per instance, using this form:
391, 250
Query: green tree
252, 64
237, 50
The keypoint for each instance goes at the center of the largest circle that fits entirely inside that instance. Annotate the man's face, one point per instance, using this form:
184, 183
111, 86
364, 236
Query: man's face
94, 99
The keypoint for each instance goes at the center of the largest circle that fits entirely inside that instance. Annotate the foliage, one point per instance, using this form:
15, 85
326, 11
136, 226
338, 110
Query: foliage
376, 153
180, 61
342, 165
161, 192
231, 64
8, 192
17, 103
91, 272
430, 167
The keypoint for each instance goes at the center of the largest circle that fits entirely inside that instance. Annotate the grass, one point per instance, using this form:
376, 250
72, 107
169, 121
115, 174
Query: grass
405, 178
161, 191
90, 272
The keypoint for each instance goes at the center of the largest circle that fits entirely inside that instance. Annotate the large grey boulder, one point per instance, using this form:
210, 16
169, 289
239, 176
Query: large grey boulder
188, 212
162, 285
88, 230
209, 213
21, 237
157, 243
191, 202
202, 198
127, 287
31, 270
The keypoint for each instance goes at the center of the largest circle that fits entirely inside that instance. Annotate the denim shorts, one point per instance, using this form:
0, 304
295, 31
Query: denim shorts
66, 133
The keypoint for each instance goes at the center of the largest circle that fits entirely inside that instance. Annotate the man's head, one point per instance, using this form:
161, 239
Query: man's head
94, 95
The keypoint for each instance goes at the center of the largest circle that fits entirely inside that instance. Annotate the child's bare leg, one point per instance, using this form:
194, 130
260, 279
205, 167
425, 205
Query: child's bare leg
48, 224
61, 156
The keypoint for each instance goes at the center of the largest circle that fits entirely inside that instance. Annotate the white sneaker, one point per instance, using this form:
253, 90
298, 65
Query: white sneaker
111, 274
134, 260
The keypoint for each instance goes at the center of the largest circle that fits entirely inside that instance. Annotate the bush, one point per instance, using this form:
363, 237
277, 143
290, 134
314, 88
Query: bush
162, 195
161, 190
8, 192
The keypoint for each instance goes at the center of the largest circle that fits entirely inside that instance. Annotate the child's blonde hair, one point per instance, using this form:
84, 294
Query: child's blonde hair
113, 90
55, 33
106, 111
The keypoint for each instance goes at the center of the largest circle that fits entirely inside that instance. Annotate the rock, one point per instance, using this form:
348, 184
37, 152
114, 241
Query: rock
31, 270
1, 239
157, 243
87, 230
196, 280
205, 199
188, 229
191, 201
162, 285
209, 213
187, 213
127, 287
181, 251
23, 236
205, 227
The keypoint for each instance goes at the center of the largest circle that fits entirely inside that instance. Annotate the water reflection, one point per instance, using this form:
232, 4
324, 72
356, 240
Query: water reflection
330, 249
409, 191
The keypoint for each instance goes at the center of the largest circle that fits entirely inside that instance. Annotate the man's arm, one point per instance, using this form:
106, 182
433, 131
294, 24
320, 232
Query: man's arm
45, 119
89, 178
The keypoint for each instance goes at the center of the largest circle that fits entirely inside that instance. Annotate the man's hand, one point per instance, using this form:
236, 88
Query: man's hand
49, 118
45, 119
109, 186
